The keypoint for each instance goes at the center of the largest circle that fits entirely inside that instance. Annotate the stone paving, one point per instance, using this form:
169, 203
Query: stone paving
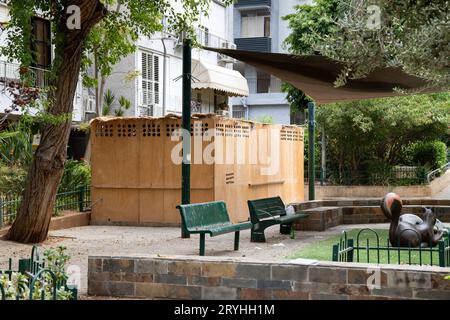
444, 194
131, 241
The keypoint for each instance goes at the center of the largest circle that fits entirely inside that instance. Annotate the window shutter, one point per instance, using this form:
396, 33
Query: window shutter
150, 79
156, 74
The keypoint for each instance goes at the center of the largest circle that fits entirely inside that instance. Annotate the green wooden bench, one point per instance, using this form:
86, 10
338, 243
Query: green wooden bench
268, 212
211, 218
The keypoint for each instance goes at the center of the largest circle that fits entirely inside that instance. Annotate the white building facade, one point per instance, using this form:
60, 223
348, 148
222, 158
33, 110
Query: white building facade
157, 88
150, 77
10, 71
258, 26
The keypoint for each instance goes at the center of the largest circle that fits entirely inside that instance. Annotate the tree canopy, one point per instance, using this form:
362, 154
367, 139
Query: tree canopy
413, 35
78, 27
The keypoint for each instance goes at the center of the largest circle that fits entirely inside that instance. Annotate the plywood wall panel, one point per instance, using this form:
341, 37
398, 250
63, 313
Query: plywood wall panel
139, 183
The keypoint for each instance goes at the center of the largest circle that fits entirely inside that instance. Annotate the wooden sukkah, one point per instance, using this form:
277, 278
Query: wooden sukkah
135, 180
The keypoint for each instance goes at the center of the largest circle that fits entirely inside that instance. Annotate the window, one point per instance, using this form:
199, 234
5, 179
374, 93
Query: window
253, 25
150, 79
41, 44
262, 82
266, 26
206, 37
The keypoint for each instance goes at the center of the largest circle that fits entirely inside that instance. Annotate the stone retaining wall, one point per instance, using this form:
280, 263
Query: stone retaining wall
230, 278
430, 190
69, 219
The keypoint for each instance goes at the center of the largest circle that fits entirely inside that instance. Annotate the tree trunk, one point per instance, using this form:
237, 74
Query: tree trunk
98, 110
102, 91
44, 176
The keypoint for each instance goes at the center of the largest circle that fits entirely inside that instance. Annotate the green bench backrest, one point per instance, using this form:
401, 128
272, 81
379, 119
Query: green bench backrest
204, 214
258, 208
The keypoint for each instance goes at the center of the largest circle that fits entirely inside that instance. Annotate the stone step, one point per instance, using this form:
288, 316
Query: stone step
369, 202
324, 217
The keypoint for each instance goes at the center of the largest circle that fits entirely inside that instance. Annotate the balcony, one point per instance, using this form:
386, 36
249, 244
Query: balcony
260, 44
253, 4
12, 72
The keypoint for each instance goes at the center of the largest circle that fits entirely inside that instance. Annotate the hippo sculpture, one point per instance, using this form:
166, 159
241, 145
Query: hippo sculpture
409, 231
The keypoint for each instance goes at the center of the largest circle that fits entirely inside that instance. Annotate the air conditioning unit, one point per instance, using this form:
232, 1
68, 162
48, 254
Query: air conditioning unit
89, 104
229, 45
224, 58
146, 111
179, 42
224, 113
88, 116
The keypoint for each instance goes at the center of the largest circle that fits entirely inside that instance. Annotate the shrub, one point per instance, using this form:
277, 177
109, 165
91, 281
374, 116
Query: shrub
12, 180
18, 288
431, 154
77, 174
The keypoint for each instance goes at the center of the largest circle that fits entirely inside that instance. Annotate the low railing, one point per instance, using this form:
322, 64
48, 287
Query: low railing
77, 200
37, 283
9, 71
438, 172
349, 251
239, 114
396, 176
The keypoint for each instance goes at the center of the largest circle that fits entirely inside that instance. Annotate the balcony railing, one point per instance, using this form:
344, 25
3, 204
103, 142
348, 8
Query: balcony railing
36, 77
253, 3
261, 44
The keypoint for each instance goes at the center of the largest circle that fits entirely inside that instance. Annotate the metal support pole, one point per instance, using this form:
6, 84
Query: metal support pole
187, 95
323, 159
311, 158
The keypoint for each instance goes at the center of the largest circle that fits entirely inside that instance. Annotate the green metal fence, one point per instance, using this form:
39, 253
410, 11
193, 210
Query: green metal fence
347, 250
77, 200
393, 176
35, 271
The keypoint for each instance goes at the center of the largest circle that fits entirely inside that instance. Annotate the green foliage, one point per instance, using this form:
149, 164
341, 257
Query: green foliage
56, 260
12, 180
18, 286
431, 154
108, 100
296, 98
16, 148
265, 119
125, 104
111, 39
322, 250
363, 131
77, 174
310, 24
413, 35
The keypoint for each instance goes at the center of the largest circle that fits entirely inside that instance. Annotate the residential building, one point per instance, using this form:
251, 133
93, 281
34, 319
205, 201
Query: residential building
258, 26
11, 71
150, 78
156, 88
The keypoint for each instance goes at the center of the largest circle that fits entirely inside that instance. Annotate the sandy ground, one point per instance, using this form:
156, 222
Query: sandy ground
122, 241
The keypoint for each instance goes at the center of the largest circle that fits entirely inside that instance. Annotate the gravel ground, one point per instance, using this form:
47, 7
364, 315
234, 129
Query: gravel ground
122, 241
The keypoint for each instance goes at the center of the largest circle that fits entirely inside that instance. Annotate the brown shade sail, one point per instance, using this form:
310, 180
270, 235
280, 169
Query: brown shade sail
315, 76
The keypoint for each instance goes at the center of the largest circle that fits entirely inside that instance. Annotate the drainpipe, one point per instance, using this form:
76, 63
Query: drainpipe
164, 77
244, 103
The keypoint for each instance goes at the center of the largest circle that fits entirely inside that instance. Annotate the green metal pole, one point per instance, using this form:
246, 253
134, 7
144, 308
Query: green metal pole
323, 159
81, 199
186, 165
311, 158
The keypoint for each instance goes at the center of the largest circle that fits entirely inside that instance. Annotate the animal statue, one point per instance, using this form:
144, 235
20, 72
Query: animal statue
408, 231
413, 219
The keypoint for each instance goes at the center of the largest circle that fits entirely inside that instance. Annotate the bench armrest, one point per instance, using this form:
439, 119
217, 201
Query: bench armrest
266, 213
